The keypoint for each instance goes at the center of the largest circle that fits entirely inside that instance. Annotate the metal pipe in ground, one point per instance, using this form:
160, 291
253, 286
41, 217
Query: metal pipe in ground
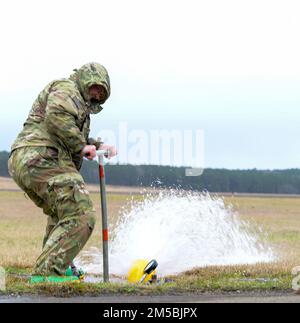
104, 215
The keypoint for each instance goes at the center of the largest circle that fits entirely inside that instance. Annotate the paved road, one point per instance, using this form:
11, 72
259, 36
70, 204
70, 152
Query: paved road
251, 297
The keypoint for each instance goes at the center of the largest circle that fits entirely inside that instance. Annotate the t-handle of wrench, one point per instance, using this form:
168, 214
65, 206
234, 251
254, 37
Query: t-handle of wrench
102, 153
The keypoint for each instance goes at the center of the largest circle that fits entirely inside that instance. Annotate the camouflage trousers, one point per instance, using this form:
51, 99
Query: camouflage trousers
52, 182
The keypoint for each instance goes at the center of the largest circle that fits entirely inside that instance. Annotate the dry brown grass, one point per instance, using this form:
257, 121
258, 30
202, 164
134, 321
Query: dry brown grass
8, 184
279, 218
22, 227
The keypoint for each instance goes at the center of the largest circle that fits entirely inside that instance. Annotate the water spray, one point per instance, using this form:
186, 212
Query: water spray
187, 230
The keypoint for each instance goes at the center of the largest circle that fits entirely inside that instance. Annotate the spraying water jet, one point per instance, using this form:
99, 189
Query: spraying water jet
186, 229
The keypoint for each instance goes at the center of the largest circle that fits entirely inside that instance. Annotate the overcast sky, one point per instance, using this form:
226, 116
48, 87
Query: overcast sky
231, 68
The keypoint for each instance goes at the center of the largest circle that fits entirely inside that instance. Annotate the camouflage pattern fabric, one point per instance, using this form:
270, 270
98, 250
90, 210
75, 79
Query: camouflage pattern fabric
45, 160
60, 190
60, 116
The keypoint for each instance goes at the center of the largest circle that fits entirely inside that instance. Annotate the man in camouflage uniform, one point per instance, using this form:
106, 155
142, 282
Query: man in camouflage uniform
46, 158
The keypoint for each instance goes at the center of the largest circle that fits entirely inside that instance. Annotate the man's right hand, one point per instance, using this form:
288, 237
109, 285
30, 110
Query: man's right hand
89, 151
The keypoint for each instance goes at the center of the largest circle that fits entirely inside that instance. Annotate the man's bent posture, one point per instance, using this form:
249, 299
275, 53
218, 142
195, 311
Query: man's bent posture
46, 159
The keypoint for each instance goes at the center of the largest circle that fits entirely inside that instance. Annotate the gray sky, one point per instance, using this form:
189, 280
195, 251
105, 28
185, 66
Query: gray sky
229, 67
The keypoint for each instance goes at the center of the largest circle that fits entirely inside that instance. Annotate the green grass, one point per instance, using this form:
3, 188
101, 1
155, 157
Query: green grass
285, 235
237, 278
210, 279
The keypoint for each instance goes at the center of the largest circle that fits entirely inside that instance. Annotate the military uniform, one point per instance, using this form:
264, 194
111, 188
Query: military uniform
45, 162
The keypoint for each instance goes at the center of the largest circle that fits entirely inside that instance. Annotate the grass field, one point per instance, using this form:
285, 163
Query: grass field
22, 227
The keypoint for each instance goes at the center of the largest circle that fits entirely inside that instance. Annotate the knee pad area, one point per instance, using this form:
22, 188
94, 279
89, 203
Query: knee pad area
69, 197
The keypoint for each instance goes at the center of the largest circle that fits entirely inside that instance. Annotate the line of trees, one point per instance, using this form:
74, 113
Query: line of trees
213, 180
3, 163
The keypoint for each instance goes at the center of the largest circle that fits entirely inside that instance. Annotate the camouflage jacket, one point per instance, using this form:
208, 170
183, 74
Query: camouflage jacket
60, 116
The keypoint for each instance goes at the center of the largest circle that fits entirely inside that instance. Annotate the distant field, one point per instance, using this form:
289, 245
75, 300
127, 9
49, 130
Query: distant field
22, 227
278, 217
22, 224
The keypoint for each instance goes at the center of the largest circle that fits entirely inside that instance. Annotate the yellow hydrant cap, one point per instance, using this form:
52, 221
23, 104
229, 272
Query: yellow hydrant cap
136, 271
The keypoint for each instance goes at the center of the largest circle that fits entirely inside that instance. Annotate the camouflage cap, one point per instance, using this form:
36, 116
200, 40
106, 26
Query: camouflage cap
88, 75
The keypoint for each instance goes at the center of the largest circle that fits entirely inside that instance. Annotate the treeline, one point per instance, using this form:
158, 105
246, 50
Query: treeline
3, 163
212, 180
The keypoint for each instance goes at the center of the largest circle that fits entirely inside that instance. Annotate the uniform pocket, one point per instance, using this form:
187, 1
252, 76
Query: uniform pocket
44, 157
49, 153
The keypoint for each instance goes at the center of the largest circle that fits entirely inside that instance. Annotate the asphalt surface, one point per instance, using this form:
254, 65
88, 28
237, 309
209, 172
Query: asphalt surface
249, 297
